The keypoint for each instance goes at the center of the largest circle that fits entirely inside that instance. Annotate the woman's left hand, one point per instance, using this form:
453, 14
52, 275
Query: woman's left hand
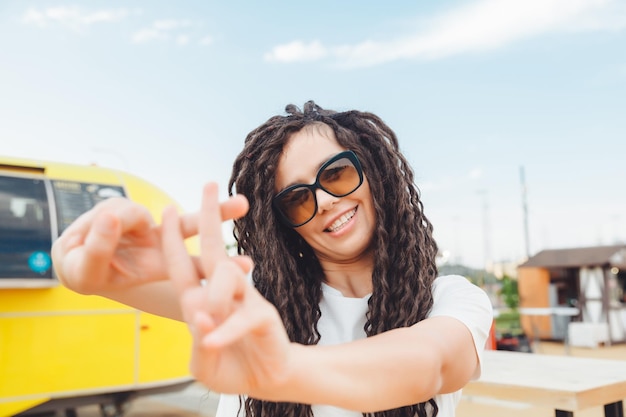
240, 345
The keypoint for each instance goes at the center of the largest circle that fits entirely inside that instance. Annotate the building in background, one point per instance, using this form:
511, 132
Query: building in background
592, 279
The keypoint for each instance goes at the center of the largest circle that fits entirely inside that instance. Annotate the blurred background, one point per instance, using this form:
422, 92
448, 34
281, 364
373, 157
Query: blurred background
510, 112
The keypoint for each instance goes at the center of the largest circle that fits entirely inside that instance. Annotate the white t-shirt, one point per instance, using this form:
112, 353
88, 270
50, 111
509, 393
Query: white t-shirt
343, 319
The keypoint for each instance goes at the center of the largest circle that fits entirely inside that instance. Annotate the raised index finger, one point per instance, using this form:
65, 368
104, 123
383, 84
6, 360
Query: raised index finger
179, 264
212, 246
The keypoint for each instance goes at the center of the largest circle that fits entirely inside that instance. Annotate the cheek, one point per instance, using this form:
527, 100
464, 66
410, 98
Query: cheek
370, 211
365, 195
305, 231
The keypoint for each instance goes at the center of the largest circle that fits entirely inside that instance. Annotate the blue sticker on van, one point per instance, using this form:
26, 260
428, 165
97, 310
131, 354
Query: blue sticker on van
39, 262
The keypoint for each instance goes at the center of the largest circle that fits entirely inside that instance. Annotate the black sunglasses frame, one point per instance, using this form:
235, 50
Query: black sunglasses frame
350, 155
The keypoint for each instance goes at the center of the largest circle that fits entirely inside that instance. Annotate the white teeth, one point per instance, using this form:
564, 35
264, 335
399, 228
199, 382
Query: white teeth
340, 222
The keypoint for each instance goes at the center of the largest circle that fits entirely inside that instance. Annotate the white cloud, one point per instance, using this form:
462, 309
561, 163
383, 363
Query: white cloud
480, 26
147, 35
78, 19
71, 17
182, 40
163, 30
171, 24
207, 40
297, 51
475, 174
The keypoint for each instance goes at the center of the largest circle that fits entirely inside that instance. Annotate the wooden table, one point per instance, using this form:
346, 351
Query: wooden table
564, 383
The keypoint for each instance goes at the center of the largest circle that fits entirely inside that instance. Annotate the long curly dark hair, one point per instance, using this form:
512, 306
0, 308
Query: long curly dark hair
288, 273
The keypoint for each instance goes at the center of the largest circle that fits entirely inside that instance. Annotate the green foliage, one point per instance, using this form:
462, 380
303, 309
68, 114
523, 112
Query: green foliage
509, 292
508, 322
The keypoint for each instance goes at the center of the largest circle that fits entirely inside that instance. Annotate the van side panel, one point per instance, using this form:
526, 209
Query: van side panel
51, 351
164, 349
53, 300
86, 174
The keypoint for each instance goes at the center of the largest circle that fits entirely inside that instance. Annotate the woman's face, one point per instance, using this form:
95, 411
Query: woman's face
342, 228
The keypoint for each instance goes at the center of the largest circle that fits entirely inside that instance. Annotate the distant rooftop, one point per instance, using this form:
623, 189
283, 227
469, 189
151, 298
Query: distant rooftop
614, 255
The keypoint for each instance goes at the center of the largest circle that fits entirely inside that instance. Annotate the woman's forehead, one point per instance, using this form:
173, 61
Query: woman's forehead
303, 154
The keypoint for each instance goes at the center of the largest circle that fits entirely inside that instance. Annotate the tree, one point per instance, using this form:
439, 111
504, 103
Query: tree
509, 292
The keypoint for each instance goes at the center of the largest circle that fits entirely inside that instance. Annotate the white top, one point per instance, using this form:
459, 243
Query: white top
343, 319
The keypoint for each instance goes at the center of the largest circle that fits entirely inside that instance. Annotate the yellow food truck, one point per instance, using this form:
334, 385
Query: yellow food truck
60, 350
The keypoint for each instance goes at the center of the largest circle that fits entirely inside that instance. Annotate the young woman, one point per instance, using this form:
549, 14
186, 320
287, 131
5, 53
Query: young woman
345, 313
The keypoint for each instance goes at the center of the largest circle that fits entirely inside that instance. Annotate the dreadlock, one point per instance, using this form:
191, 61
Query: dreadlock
403, 245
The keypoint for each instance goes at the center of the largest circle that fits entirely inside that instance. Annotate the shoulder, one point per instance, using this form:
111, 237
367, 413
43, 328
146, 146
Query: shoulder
455, 296
456, 293
448, 287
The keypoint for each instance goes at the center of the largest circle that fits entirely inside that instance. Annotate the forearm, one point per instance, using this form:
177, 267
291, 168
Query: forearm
378, 373
158, 298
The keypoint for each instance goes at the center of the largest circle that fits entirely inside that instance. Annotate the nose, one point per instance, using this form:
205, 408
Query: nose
325, 201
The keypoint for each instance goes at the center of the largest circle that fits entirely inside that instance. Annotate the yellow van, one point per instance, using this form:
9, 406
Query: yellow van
60, 350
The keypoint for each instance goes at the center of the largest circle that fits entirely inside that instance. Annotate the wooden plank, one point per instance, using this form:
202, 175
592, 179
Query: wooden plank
559, 382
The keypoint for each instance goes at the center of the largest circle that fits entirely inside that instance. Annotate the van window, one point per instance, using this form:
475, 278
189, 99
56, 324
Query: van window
75, 198
25, 226
25, 234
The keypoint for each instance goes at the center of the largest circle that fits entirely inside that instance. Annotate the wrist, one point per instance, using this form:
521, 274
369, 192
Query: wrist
288, 383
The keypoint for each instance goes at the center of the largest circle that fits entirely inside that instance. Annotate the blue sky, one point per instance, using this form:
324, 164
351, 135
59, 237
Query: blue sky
474, 89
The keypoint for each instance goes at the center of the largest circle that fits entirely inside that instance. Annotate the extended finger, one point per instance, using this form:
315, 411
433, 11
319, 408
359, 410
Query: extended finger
244, 262
212, 246
84, 222
202, 324
233, 208
180, 266
134, 218
193, 303
131, 215
255, 315
224, 290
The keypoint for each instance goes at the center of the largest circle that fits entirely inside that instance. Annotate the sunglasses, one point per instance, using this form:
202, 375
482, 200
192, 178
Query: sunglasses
339, 176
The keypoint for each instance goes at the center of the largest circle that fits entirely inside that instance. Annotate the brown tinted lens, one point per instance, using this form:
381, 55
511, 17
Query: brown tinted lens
340, 177
298, 205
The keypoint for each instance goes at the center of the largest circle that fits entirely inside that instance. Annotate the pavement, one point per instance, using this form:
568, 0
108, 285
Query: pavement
196, 401
193, 401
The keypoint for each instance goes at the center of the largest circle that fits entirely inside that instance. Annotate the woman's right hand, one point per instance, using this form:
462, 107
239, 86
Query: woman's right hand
117, 245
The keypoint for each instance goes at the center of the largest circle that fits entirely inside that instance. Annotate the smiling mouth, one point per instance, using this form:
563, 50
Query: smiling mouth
342, 221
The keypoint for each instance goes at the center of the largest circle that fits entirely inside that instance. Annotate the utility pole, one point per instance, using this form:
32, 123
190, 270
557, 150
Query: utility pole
486, 242
525, 211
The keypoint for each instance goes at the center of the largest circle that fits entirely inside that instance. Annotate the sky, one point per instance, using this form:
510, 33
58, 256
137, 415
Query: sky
481, 94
